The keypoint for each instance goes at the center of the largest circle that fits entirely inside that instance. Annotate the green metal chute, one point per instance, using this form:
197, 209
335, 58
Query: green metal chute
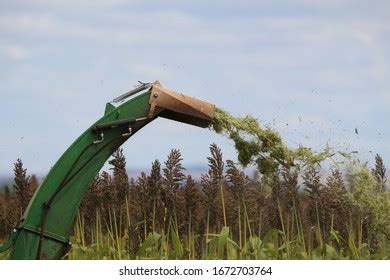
43, 232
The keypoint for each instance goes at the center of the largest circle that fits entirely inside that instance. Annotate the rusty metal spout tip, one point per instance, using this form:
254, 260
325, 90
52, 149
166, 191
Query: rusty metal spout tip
177, 106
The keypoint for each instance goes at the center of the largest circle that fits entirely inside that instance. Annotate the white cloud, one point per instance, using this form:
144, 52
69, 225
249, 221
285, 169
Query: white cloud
15, 52
158, 29
170, 27
71, 4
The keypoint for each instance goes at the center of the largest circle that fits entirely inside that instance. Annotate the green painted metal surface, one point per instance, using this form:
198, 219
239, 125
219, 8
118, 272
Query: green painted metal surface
67, 181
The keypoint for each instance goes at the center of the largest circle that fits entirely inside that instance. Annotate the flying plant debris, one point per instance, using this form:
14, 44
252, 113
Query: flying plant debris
263, 146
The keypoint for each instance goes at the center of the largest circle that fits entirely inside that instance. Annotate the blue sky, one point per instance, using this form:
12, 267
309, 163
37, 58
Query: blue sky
314, 70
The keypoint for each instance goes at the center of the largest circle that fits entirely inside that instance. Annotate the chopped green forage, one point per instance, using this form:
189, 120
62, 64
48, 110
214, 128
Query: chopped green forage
263, 146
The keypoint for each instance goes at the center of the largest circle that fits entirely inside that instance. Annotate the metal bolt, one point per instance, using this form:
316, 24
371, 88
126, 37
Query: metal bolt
155, 95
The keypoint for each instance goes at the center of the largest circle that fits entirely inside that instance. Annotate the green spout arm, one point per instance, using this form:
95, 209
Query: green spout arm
43, 232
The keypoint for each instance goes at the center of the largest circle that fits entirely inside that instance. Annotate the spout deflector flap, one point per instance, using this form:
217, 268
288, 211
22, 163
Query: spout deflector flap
180, 107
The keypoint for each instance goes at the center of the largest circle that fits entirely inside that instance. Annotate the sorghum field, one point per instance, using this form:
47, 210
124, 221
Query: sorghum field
292, 213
